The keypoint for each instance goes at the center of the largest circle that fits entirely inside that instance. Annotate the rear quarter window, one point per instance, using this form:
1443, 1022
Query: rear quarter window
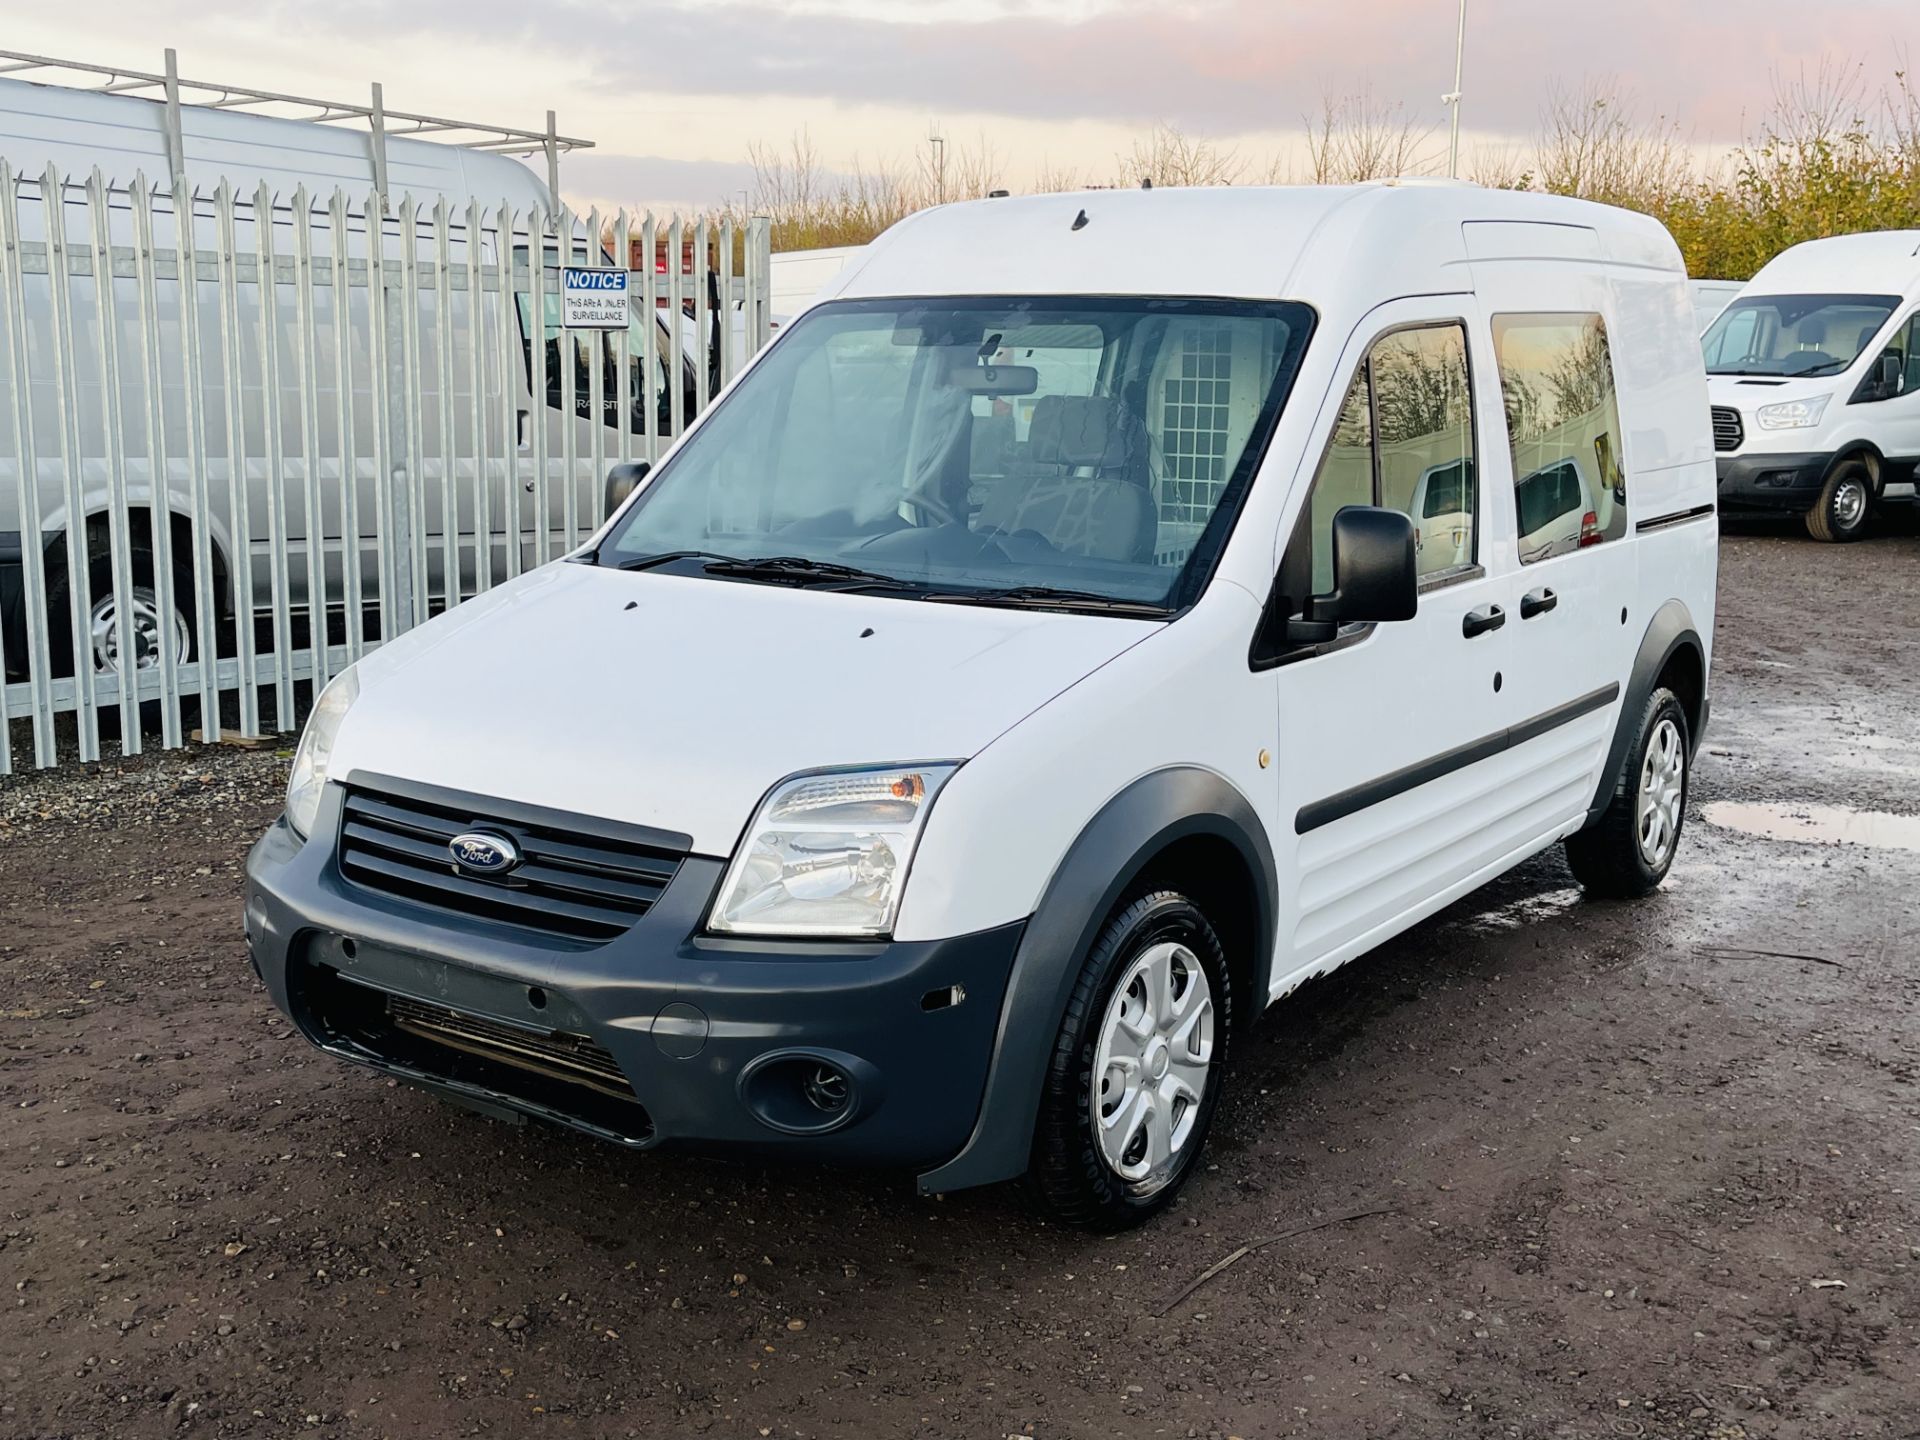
1562, 407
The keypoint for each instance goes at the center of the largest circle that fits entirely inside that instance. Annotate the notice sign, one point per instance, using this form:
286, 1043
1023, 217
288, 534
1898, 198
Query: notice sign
594, 299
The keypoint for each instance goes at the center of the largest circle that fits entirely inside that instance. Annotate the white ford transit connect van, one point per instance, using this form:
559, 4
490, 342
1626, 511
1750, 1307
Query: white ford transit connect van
1814, 374
1021, 678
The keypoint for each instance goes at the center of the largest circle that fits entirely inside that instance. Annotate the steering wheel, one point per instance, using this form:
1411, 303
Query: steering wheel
1031, 540
923, 498
1802, 361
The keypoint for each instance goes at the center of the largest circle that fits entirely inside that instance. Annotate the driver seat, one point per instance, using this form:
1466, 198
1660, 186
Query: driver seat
1083, 485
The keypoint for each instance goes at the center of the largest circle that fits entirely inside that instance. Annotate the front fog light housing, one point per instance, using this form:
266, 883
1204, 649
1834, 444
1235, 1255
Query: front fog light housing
827, 853
1792, 414
315, 754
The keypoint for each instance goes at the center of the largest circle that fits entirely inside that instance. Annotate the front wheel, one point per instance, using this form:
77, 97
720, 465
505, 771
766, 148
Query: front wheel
1845, 506
1136, 1068
1628, 851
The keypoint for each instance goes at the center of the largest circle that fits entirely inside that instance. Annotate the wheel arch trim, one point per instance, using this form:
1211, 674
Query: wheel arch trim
1862, 449
1113, 850
141, 499
140, 495
1670, 632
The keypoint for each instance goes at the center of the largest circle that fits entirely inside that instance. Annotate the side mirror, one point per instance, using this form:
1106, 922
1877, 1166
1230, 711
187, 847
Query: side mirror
1376, 576
1882, 380
622, 480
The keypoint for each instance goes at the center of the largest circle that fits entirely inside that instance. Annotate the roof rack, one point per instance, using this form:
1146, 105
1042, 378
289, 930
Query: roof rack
167, 88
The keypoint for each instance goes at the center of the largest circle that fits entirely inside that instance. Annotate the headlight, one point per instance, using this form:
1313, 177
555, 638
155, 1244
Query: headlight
827, 854
310, 761
1792, 414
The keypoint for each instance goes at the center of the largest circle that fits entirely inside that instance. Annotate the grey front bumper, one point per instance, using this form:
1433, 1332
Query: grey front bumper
691, 1020
1788, 482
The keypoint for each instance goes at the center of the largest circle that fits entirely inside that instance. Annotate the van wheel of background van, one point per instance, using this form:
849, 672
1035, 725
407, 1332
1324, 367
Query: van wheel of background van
1136, 1068
1845, 506
1628, 851
106, 630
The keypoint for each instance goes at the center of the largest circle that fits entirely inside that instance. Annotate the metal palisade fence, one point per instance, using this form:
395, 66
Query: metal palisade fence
246, 438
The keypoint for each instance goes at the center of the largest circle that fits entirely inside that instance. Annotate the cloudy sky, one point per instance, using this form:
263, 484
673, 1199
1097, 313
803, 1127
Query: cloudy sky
673, 92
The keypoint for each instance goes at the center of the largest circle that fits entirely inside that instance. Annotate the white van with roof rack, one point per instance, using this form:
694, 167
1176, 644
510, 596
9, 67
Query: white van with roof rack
1813, 372
122, 124
1025, 676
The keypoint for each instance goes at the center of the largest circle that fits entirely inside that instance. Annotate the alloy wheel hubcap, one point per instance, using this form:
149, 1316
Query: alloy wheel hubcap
1663, 777
1150, 1068
140, 628
1849, 504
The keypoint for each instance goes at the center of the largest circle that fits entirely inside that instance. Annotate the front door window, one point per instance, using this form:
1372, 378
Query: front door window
1404, 439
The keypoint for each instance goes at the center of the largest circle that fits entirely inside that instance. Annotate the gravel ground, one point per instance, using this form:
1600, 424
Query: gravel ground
165, 785
1644, 1172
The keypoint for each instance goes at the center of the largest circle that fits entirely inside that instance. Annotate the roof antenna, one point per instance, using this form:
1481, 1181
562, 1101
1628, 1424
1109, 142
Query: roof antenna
1146, 182
1079, 221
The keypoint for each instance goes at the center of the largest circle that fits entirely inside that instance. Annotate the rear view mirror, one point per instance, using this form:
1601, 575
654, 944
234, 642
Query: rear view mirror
1375, 574
995, 380
622, 480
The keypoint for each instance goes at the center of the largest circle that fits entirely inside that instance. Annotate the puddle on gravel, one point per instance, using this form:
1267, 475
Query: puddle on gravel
1817, 824
1526, 910
1880, 742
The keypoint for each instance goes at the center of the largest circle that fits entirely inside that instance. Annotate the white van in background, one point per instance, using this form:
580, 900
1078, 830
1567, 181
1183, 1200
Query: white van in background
1442, 511
1555, 509
796, 276
1814, 375
1024, 676
1710, 297
80, 131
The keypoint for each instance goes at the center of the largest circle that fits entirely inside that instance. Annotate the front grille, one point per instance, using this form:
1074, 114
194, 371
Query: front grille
575, 882
564, 1076
554, 1053
1728, 432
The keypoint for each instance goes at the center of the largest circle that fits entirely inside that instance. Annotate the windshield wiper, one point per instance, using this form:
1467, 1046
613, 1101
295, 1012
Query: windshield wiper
802, 570
647, 562
1048, 597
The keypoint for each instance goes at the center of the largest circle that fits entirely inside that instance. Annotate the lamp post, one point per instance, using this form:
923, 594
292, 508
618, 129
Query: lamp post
1452, 98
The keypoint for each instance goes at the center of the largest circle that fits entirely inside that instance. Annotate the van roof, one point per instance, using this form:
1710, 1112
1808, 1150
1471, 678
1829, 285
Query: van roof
1874, 262
1247, 242
76, 130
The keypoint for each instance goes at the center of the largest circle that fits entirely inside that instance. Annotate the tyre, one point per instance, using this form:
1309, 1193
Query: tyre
1628, 851
1845, 506
1136, 1068
106, 630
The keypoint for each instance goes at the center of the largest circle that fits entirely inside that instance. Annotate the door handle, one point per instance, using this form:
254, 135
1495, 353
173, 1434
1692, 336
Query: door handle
1478, 622
1537, 602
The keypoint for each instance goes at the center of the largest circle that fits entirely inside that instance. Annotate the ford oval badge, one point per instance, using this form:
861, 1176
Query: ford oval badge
482, 854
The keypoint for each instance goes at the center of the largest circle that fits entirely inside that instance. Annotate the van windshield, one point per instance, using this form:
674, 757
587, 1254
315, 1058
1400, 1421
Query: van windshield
1791, 335
1059, 452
